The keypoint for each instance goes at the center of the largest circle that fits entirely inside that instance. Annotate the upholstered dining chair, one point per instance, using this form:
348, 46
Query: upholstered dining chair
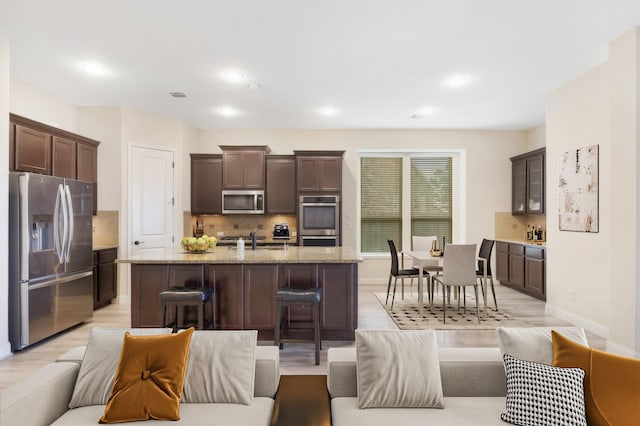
485, 254
459, 270
396, 273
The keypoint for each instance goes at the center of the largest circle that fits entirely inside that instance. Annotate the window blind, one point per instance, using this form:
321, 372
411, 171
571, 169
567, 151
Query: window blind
431, 197
381, 203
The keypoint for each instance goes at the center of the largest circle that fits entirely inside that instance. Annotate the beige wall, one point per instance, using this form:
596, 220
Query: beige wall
487, 181
600, 107
5, 349
578, 116
35, 104
536, 137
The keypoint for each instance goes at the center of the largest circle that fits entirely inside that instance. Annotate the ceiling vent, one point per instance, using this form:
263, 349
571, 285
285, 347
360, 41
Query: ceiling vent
178, 94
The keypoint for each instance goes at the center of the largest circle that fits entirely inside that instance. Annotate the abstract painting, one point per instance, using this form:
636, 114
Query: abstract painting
578, 204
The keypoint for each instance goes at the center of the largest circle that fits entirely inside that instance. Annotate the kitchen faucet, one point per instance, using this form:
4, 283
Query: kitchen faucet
253, 239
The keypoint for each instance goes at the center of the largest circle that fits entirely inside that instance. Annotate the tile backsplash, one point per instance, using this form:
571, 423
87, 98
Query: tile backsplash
237, 224
105, 228
510, 227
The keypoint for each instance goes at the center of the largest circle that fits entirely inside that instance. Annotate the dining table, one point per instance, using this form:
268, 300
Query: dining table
425, 262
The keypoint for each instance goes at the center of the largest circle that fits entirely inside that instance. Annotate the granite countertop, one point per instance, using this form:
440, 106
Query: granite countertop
228, 254
97, 247
526, 243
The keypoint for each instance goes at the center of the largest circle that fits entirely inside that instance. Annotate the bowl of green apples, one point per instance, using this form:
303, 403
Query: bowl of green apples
198, 245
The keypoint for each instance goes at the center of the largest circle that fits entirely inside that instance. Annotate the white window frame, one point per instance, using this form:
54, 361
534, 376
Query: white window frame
458, 226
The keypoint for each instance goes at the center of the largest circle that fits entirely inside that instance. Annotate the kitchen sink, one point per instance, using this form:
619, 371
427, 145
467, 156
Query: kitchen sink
244, 237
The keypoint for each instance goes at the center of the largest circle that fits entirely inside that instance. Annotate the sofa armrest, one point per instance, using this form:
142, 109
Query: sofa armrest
73, 355
341, 372
267, 371
41, 397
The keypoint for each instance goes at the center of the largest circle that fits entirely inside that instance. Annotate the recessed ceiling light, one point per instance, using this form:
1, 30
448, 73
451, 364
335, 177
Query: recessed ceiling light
227, 111
254, 86
178, 94
457, 80
93, 68
233, 76
328, 111
424, 112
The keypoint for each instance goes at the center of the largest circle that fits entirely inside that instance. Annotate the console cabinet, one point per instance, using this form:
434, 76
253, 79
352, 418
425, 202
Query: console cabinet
206, 184
527, 183
521, 267
319, 171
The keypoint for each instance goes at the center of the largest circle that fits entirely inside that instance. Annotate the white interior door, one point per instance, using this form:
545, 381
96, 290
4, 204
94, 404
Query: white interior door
152, 203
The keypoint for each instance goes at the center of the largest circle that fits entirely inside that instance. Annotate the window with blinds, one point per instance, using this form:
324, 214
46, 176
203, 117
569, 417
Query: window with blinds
381, 203
431, 197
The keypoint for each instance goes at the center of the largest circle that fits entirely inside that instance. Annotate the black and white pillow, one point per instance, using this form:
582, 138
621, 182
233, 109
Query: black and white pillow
539, 394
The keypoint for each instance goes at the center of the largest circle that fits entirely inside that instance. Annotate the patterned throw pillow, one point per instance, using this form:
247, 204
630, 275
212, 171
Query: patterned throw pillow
539, 394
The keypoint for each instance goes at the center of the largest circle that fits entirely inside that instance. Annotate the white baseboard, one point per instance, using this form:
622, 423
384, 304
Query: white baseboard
5, 350
591, 326
121, 299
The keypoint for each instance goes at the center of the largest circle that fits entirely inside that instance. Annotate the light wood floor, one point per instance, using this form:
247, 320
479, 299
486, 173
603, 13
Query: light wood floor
295, 358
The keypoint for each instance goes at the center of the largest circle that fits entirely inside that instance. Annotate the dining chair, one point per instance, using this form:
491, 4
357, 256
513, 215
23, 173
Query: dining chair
485, 253
396, 273
420, 243
459, 270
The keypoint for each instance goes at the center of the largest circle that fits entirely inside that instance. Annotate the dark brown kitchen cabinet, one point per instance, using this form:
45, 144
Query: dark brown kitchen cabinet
63, 158
521, 267
32, 151
339, 316
303, 276
228, 295
39, 148
243, 167
260, 285
527, 183
281, 184
206, 184
147, 281
105, 277
319, 171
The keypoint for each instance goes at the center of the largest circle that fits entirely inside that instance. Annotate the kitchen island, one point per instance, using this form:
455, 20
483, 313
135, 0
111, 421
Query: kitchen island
244, 284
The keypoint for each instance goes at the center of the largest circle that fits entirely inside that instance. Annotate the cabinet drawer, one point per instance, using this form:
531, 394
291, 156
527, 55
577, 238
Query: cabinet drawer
516, 249
107, 256
503, 247
534, 253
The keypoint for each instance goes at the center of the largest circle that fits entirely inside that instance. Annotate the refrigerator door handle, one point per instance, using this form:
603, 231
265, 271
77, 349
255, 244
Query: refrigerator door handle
70, 214
57, 238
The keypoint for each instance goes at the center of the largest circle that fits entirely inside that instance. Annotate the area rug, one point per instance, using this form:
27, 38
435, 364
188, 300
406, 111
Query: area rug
406, 316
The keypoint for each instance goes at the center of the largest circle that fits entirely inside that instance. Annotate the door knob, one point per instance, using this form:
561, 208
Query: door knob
136, 242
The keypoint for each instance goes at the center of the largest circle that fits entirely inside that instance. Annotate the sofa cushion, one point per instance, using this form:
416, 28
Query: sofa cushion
476, 411
540, 394
611, 382
98, 367
149, 378
221, 367
534, 343
256, 414
398, 369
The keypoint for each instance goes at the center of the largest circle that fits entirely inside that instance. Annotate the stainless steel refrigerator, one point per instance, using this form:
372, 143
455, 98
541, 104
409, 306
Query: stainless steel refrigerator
50, 256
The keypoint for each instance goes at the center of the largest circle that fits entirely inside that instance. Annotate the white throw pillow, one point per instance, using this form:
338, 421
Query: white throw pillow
398, 369
221, 367
534, 343
540, 394
98, 367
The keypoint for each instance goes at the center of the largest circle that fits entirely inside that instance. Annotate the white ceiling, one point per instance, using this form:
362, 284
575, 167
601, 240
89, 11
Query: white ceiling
376, 61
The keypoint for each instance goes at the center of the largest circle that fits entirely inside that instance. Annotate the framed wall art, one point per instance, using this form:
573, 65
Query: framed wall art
578, 190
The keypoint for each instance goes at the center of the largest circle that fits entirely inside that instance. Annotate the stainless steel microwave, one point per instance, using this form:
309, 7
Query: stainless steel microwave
242, 202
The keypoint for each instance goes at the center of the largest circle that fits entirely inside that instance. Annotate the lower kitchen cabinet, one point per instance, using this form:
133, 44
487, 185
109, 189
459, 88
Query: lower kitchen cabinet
105, 277
521, 267
244, 294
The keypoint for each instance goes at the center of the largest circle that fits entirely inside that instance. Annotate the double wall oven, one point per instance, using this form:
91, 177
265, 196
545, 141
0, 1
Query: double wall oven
319, 220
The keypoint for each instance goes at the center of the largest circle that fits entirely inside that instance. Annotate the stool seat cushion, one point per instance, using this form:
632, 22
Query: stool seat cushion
185, 294
288, 294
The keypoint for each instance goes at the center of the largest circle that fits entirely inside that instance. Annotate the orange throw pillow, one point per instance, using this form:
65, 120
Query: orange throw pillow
149, 378
611, 383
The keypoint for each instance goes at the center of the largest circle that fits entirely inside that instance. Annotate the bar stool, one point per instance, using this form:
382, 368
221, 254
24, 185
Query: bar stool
296, 296
187, 296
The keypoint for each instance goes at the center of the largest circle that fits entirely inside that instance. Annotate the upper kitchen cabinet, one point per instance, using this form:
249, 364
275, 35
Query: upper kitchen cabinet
39, 148
206, 184
319, 171
281, 184
528, 181
243, 167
